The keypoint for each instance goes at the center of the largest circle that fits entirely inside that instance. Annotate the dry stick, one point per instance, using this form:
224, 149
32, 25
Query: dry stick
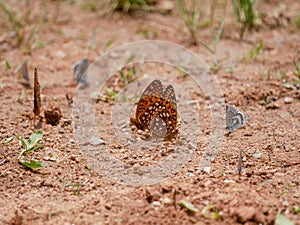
270, 150
3, 161
174, 197
37, 95
240, 163
69, 99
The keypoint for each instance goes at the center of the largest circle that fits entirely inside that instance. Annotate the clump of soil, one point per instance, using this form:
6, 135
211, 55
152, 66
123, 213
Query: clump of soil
52, 114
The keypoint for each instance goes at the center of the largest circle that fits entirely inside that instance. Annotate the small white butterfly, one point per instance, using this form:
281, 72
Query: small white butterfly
234, 118
80, 71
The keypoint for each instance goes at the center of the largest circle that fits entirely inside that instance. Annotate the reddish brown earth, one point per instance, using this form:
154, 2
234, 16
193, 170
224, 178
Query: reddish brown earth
266, 89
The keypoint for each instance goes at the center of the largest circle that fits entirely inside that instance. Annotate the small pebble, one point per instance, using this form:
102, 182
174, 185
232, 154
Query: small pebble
156, 204
272, 105
96, 141
228, 181
60, 54
167, 6
285, 203
207, 183
206, 169
218, 173
288, 100
167, 201
190, 174
257, 155
245, 213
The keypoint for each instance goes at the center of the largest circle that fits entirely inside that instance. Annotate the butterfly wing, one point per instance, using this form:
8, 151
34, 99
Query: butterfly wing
166, 116
169, 94
155, 88
147, 105
156, 109
171, 109
170, 117
80, 70
230, 111
234, 118
147, 109
158, 127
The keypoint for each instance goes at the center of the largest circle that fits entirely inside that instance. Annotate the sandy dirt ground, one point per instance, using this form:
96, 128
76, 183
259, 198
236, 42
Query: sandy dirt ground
68, 190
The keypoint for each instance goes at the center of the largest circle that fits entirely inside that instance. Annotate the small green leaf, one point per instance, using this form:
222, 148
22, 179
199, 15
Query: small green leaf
36, 147
89, 7
20, 97
282, 220
207, 209
112, 95
256, 50
77, 187
32, 164
43, 86
32, 144
130, 59
108, 44
123, 78
37, 45
22, 142
111, 92
34, 139
189, 206
296, 209
9, 140
297, 67
7, 65
132, 71
87, 166
298, 20
216, 215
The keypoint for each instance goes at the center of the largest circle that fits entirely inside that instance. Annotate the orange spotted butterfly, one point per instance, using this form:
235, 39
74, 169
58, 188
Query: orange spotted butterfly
157, 110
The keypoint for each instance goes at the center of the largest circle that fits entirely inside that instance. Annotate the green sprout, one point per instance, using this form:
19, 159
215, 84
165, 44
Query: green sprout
32, 164
297, 67
77, 187
256, 50
30, 145
16, 24
89, 6
245, 14
190, 13
111, 94
207, 211
189, 206
282, 220
128, 75
128, 5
